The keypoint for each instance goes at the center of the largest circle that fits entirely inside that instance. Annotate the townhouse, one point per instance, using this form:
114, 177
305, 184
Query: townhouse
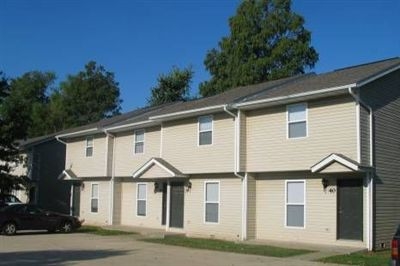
311, 158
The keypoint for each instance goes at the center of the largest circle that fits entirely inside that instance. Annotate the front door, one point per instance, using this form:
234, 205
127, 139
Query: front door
176, 205
76, 199
350, 209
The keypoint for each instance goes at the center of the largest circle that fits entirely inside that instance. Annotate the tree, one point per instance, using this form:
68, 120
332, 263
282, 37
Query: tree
172, 87
9, 154
26, 103
267, 41
86, 97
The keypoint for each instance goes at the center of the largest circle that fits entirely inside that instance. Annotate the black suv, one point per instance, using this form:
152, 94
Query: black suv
6, 200
396, 248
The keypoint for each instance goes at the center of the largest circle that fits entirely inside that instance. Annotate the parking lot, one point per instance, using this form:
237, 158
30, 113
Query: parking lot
87, 249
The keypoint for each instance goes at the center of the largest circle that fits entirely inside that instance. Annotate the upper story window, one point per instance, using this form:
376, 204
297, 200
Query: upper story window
297, 120
205, 130
139, 141
89, 146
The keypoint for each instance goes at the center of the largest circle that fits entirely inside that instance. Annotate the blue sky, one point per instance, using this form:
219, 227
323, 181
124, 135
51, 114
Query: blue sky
139, 39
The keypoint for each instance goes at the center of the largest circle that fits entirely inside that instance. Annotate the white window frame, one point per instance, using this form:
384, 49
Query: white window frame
137, 199
297, 204
288, 122
199, 131
135, 142
91, 197
87, 146
218, 202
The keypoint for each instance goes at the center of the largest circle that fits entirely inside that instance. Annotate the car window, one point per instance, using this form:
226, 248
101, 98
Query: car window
33, 210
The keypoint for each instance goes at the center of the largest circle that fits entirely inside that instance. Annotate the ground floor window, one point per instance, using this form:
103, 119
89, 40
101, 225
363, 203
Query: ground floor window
141, 198
295, 203
211, 202
94, 201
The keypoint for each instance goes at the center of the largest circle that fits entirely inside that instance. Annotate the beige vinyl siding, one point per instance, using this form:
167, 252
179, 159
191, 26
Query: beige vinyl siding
117, 202
331, 129
383, 95
155, 172
320, 211
153, 216
102, 216
81, 165
336, 168
21, 167
181, 149
229, 225
110, 153
126, 161
364, 136
251, 207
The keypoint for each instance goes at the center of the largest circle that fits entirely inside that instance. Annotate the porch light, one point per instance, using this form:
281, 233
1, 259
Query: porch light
325, 183
188, 185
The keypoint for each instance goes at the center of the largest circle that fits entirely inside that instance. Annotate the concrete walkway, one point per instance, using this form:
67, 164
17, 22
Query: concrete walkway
87, 249
321, 251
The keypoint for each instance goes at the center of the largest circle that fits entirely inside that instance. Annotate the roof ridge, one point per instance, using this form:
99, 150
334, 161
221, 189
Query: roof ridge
277, 86
364, 64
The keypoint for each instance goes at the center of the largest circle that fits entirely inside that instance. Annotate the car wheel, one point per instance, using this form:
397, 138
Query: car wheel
67, 227
9, 229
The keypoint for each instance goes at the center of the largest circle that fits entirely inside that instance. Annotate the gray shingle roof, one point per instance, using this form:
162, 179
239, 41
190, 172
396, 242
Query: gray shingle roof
266, 90
340, 77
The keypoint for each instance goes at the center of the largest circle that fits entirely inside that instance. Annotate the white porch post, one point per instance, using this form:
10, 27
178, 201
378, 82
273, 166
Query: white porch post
167, 216
71, 199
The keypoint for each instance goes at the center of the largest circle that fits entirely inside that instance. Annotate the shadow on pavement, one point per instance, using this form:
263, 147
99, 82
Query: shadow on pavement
55, 257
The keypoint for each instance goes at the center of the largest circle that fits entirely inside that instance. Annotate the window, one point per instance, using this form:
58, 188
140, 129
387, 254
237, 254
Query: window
141, 196
139, 141
205, 130
297, 120
295, 203
94, 202
211, 202
89, 146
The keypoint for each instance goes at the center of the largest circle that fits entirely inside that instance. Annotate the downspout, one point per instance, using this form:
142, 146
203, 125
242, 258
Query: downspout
370, 193
236, 118
112, 183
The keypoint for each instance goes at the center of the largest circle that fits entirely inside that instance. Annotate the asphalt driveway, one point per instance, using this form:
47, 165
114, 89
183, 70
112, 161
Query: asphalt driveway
87, 249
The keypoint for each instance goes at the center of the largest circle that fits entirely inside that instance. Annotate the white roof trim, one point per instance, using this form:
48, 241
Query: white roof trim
293, 96
187, 112
77, 133
69, 177
331, 159
149, 164
131, 125
371, 79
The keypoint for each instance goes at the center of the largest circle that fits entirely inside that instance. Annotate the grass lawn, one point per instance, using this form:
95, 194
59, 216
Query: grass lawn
361, 258
228, 246
101, 231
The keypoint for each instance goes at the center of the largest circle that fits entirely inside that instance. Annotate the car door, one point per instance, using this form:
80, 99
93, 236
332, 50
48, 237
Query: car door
25, 218
37, 218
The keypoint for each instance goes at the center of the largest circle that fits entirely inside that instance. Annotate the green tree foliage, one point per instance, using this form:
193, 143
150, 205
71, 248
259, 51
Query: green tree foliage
9, 155
26, 104
172, 87
88, 96
267, 41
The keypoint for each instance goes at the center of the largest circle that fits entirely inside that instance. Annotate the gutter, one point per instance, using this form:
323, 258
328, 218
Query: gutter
244, 179
370, 194
61, 141
77, 133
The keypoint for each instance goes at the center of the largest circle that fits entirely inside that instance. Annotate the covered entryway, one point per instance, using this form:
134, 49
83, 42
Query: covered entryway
171, 182
350, 209
75, 193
